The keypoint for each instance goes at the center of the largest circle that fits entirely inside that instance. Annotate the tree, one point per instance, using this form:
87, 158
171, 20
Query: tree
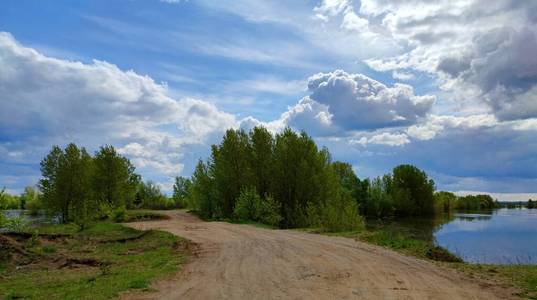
150, 196
262, 144
444, 202
29, 199
48, 182
351, 182
181, 189
230, 168
66, 184
114, 181
412, 191
201, 197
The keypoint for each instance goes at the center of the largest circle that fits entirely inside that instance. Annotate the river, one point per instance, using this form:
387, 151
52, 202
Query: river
502, 236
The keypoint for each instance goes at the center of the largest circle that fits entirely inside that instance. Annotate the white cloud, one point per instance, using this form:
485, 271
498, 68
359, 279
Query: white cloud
48, 101
384, 138
476, 49
359, 102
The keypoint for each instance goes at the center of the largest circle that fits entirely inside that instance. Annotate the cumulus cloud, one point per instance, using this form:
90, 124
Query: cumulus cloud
48, 101
477, 49
359, 102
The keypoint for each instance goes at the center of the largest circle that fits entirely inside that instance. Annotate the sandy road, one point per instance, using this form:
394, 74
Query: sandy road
245, 262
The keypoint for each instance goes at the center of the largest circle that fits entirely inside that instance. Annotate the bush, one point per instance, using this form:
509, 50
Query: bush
339, 214
3, 219
16, 224
270, 212
251, 207
118, 215
248, 205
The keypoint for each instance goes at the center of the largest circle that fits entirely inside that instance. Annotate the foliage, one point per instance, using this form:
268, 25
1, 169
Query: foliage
412, 192
31, 200
118, 214
117, 259
15, 224
80, 188
149, 196
340, 214
251, 207
476, 202
181, 189
3, 219
248, 205
244, 169
143, 215
8, 201
113, 180
444, 202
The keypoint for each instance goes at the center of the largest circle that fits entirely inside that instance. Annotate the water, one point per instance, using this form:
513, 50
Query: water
503, 236
32, 220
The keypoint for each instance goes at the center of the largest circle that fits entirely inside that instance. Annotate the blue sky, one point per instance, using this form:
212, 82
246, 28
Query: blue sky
449, 86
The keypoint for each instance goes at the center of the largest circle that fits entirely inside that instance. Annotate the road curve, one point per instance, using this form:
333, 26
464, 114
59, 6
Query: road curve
245, 262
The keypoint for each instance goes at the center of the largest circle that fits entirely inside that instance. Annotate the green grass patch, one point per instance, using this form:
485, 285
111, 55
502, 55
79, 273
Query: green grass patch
143, 215
97, 263
524, 277
398, 241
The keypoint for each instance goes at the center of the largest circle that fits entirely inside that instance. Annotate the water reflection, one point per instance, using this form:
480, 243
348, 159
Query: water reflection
503, 236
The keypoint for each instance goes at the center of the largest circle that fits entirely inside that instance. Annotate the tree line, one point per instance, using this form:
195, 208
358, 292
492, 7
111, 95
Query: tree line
283, 180
287, 178
78, 187
447, 202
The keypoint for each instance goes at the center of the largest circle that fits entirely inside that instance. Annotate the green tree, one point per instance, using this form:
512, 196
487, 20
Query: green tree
444, 202
114, 181
201, 197
66, 184
412, 191
230, 169
48, 183
181, 189
150, 196
262, 144
30, 199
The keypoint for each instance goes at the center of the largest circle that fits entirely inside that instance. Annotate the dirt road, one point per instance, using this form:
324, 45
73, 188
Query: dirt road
245, 262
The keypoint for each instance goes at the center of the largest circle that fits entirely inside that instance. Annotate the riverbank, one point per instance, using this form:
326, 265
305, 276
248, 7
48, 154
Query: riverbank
100, 262
522, 277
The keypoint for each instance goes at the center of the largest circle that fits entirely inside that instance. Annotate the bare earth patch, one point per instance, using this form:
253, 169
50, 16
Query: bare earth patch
234, 261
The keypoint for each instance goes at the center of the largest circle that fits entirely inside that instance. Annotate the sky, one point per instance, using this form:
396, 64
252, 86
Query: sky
449, 86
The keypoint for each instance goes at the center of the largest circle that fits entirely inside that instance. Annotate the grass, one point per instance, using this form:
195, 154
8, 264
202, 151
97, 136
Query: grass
97, 263
143, 215
523, 277
397, 241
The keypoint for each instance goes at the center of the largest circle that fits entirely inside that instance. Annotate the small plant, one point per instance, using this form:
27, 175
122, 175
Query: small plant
118, 215
33, 241
3, 219
49, 249
16, 224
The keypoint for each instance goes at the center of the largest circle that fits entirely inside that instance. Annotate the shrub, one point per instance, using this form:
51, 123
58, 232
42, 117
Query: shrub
340, 214
16, 224
3, 219
118, 214
49, 249
248, 205
270, 211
